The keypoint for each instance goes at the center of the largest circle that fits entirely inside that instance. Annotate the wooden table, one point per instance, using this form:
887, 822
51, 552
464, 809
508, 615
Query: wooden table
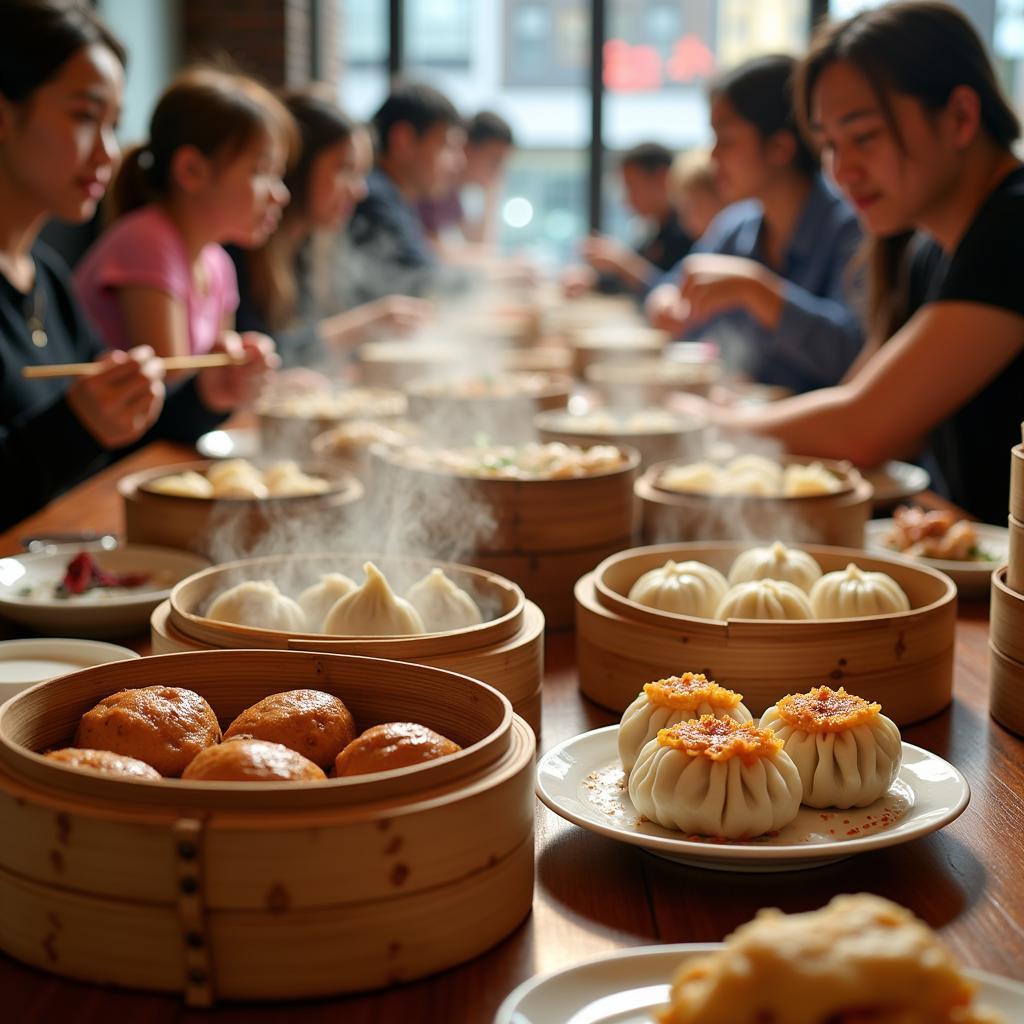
594, 895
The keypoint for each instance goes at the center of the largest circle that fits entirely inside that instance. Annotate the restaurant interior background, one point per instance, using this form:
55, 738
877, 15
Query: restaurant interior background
529, 60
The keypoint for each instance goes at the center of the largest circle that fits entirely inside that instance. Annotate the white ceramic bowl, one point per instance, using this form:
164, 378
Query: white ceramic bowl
23, 663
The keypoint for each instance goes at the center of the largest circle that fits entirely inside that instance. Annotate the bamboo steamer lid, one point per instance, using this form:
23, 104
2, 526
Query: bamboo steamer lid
1006, 617
267, 890
1006, 690
1015, 557
1017, 483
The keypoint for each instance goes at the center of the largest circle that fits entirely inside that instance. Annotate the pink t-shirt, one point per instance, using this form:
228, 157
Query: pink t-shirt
143, 248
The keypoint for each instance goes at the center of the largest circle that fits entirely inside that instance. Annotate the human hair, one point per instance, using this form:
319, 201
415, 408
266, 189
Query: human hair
922, 50
416, 104
271, 268
761, 92
648, 156
40, 36
219, 112
487, 126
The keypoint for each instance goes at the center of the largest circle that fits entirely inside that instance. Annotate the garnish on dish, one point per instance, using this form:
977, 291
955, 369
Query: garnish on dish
85, 573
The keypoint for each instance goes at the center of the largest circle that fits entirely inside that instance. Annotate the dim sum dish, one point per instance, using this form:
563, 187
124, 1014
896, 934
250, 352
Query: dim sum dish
384, 863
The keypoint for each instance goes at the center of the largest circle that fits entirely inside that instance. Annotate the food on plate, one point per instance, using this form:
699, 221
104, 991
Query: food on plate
85, 573
751, 476
552, 461
163, 726
764, 599
683, 588
807, 481
716, 777
239, 478
182, 485
846, 751
442, 604
104, 761
776, 562
665, 702
851, 592
310, 722
940, 535
392, 745
859, 960
373, 609
244, 759
260, 605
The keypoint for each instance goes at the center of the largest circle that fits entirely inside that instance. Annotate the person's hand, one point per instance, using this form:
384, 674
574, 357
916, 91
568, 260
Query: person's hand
401, 314
121, 402
607, 256
578, 280
299, 380
225, 388
666, 310
713, 283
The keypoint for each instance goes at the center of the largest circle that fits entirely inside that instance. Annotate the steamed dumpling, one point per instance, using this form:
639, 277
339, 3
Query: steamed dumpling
776, 562
258, 603
696, 478
768, 470
751, 485
443, 605
373, 610
286, 479
715, 777
664, 702
317, 600
183, 485
846, 751
851, 592
799, 481
683, 588
231, 471
765, 599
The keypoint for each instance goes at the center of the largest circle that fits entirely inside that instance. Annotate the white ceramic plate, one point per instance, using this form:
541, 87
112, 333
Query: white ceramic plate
229, 444
628, 986
582, 780
23, 663
27, 585
972, 579
896, 481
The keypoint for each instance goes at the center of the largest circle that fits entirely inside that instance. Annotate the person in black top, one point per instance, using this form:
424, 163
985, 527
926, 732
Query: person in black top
613, 267
61, 80
912, 122
420, 139
276, 282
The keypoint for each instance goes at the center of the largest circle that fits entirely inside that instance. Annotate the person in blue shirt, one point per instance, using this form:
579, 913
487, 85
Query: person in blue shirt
771, 280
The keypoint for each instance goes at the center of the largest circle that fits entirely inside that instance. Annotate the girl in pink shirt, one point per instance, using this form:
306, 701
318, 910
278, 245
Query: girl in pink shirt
210, 174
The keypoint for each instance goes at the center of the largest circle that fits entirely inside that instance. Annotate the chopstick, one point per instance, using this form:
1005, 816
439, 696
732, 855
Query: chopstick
89, 369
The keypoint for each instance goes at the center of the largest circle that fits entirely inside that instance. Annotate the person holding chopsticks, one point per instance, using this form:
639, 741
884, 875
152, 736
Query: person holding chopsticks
61, 83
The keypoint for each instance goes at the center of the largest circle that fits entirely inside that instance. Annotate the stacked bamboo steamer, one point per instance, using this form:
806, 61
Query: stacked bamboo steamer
904, 660
1006, 638
837, 519
506, 651
200, 524
542, 534
266, 890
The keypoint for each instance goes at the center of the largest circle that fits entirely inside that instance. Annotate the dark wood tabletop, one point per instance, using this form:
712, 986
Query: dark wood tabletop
594, 895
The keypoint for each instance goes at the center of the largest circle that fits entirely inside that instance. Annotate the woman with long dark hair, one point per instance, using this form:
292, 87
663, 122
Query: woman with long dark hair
906, 109
770, 279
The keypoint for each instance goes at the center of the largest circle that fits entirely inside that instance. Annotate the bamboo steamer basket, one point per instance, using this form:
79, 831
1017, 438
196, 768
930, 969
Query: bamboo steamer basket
1006, 618
506, 651
1006, 690
614, 343
539, 359
337, 452
685, 441
539, 533
836, 519
266, 890
641, 383
1015, 557
453, 418
566, 317
285, 431
392, 364
201, 524
904, 661
1017, 483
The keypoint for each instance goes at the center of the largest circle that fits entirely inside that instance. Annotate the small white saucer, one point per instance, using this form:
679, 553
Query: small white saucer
23, 663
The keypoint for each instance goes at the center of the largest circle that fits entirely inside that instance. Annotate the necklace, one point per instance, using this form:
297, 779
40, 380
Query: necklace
35, 312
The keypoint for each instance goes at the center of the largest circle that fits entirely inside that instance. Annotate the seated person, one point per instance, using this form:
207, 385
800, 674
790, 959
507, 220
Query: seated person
277, 282
693, 191
613, 267
468, 202
770, 280
419, 140
57, 155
